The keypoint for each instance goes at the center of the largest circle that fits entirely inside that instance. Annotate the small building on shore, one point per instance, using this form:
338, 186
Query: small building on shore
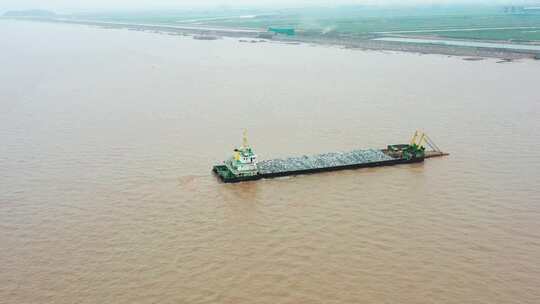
289, 31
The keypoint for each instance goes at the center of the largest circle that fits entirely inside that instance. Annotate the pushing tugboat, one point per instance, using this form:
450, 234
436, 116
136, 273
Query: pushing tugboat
243, 165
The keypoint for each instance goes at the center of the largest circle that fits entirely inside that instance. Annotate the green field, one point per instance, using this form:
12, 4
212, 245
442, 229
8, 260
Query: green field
508, 35
356, 20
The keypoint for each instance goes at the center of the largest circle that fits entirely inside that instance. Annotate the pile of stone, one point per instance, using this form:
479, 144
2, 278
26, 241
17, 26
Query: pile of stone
325, 160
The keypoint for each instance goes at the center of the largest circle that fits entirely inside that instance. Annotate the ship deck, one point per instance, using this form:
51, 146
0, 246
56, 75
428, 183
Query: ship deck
331, 160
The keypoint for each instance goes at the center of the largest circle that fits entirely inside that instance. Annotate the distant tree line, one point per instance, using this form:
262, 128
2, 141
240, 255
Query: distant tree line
520, 10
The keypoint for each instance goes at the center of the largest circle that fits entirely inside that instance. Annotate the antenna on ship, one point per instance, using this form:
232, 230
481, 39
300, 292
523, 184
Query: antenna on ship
244, 139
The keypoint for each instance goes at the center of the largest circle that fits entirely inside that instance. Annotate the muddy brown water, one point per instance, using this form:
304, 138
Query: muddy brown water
108, 136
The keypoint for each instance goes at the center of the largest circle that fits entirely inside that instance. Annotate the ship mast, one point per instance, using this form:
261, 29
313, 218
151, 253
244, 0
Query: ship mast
245, 144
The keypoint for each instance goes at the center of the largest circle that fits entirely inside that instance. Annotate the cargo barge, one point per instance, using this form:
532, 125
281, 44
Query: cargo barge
243, 165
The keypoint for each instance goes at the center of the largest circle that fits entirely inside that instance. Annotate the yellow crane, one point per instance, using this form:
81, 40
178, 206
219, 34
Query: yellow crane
420, 139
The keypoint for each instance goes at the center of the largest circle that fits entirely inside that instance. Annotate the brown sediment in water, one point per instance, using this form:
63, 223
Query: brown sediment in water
107, 137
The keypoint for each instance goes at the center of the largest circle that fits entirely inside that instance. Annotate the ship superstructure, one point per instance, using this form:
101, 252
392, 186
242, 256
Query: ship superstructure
244, 160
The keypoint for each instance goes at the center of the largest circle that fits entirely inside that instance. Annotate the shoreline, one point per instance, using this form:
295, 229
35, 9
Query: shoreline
367, 43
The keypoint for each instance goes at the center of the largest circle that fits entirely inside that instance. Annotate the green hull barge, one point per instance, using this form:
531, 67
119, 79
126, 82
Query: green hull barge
243, 165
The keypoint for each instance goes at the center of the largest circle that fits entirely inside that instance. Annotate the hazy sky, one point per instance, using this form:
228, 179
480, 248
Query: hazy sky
138, 4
